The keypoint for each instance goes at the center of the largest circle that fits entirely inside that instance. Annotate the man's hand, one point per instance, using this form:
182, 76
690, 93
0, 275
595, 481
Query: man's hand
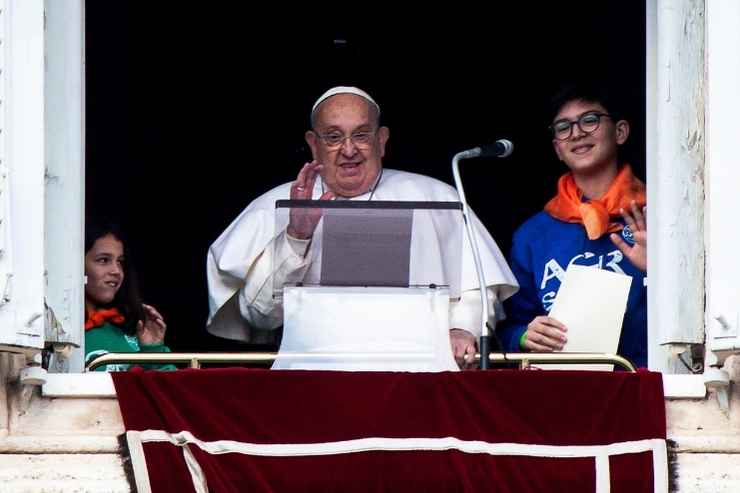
464, 347
545, 334
637, 253
303, 222
151, 330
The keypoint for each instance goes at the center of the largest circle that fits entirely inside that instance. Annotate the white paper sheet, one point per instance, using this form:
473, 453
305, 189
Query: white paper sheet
591, 303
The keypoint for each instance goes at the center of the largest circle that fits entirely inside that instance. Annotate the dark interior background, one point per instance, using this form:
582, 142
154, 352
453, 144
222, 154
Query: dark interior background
192, 113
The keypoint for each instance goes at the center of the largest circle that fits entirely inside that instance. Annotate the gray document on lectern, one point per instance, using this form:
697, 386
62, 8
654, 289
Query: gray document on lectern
366, 247
376, 244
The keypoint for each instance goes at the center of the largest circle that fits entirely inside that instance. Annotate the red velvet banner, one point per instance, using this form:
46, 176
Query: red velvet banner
480, 411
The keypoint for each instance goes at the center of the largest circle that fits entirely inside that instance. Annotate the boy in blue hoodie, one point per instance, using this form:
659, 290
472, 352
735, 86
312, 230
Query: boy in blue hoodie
596, 219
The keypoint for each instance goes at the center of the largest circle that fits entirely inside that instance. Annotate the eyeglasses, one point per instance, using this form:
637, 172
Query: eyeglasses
335, 140
587, 122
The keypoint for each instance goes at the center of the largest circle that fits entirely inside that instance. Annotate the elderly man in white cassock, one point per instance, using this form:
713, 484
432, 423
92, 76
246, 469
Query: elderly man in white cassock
347, 144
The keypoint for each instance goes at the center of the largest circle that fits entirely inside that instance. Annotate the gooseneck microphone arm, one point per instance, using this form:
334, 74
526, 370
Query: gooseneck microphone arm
484, 346
501, 148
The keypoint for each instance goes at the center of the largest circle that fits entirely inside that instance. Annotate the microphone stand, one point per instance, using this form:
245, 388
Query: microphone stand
484, 347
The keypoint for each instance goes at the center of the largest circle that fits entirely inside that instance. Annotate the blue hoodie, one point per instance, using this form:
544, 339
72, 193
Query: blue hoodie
542, 249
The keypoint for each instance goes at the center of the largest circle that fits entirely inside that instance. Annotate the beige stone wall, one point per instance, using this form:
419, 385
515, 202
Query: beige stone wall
708, 440
708, 444
59, 445
709, 473
62, 473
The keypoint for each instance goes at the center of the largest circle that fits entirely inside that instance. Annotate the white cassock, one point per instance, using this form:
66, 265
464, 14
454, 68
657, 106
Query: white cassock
250, 258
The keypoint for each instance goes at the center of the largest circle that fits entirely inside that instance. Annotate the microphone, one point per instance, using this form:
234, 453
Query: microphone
501, 148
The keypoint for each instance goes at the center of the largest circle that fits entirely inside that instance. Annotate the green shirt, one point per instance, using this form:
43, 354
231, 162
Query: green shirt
109, 338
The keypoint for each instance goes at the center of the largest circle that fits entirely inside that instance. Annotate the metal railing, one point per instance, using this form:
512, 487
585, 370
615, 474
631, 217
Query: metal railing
526, 359
194, 360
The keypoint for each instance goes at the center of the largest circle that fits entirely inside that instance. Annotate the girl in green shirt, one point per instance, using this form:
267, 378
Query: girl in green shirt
116, 321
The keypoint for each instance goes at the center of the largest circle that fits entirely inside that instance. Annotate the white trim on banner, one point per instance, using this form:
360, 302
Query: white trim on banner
138, 461
600, 453
603, 473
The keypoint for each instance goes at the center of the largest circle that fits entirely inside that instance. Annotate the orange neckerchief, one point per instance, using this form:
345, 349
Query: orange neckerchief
596, 214
99, 317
